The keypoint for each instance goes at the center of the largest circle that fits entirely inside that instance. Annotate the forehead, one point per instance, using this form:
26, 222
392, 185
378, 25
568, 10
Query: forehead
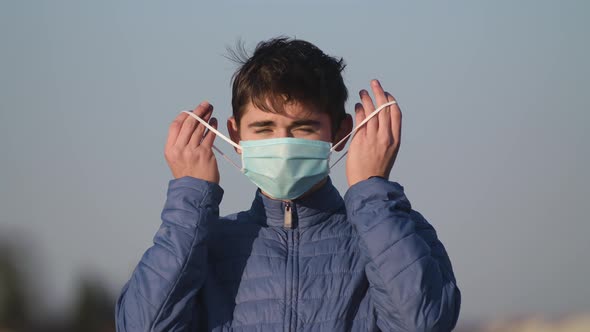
293, 111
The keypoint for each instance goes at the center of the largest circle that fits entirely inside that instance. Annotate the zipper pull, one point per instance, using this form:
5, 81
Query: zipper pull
288, 216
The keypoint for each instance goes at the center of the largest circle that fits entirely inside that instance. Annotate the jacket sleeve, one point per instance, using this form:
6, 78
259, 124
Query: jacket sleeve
412, 285
162, 292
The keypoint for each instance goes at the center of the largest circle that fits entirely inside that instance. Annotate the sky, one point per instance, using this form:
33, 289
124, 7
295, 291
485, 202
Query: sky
494, 149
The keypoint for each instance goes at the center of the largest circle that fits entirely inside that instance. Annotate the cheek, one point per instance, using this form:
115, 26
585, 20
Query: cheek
324, 136
313, 136
246, 135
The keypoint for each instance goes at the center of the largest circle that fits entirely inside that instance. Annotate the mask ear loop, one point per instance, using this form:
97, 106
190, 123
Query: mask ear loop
227, 158
220, 135
357, 128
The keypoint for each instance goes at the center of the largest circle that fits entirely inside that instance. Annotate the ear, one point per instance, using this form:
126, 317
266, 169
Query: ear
234, 132
345, 129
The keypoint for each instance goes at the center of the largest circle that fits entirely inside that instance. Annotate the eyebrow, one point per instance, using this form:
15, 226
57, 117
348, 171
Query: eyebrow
297, 123
259, 124
305, 122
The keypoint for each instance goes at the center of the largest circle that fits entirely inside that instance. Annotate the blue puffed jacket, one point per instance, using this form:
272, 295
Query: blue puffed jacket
367, 262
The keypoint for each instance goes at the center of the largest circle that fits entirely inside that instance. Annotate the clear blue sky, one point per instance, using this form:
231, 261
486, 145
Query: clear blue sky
495, 154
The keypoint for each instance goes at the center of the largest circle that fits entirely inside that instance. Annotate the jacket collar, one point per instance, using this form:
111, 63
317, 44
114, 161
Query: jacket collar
307, 211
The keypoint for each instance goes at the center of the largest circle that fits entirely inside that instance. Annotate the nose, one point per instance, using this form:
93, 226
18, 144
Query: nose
283, 132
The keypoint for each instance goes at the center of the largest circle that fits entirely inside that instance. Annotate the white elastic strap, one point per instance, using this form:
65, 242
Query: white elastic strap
357, 128
337, 160
216, 132
208, 126
227, 158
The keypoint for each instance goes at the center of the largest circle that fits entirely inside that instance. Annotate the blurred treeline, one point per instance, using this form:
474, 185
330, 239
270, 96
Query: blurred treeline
93, 309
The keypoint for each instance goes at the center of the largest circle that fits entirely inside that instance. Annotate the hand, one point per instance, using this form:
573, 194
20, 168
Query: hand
374, 147
187, 151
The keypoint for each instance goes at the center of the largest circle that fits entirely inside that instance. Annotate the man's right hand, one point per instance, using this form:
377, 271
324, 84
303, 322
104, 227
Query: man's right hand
187, 151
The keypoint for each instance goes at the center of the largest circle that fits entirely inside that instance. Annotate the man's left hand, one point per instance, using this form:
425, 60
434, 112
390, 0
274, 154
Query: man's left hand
374, 147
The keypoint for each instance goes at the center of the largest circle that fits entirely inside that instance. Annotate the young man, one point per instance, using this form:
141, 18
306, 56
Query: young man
302, 258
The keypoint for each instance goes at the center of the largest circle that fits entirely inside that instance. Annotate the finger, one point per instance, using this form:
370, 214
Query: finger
396, 119
383, 116
197, 135
210, 136
359, 112
175, 129
189, 124
369, 107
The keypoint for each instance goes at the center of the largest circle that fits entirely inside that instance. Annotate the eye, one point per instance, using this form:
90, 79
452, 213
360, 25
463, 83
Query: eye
306, 129
263, 130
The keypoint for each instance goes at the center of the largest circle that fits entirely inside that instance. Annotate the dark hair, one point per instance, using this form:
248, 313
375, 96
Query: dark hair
284, 70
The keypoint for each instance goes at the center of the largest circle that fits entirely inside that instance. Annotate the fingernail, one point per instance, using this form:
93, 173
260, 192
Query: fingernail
204, 104
376, 82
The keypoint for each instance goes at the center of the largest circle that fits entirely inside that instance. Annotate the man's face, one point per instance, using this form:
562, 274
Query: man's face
298, 121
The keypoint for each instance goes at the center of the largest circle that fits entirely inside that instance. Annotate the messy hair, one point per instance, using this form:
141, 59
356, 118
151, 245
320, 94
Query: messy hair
284, 70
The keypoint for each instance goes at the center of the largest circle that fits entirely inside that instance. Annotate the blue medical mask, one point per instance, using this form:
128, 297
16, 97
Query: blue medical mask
285, 168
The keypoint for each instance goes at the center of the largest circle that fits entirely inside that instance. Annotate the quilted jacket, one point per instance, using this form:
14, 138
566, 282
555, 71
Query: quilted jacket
367, 262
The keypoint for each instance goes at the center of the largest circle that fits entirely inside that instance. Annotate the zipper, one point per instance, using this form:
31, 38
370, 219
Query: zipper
288, 221
292, 266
